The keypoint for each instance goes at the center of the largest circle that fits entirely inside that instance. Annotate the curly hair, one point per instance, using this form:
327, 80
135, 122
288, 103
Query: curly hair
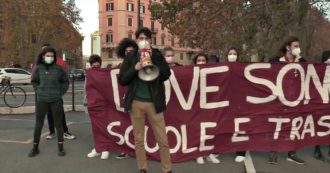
125, 43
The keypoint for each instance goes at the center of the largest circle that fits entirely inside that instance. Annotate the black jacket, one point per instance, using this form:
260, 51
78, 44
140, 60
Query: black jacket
129, 76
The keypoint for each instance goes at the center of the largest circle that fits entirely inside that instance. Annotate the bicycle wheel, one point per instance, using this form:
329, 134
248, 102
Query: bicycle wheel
14, 97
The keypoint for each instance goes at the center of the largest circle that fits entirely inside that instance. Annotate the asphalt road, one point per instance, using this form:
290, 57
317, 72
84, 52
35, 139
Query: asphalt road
16, 142
30, 100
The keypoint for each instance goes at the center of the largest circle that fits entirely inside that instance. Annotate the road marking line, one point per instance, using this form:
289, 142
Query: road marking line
11, 119
29, 141
249, 163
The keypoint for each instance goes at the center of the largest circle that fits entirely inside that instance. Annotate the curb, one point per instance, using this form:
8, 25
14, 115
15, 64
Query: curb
31, 109
67, 93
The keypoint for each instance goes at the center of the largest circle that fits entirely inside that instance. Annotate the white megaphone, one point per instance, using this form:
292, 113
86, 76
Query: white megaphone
149, 71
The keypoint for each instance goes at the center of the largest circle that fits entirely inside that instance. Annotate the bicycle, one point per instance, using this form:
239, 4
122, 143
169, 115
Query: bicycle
14, 96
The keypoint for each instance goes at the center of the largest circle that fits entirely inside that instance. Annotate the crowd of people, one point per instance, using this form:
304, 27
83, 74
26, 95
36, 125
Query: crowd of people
143, 100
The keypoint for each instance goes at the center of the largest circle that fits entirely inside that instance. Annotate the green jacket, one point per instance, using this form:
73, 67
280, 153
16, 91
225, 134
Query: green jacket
49, 84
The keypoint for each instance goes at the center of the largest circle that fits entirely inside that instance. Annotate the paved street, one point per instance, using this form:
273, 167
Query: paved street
16, 141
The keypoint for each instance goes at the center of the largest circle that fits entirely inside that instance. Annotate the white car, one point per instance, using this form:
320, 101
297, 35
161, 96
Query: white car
17, 75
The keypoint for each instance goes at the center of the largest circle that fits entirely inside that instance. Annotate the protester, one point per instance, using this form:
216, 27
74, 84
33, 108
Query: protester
146, 99
232, 55
199, 59
124, 47
52, 134
95, 62
325, 58
50, 82
169, 57
289, 52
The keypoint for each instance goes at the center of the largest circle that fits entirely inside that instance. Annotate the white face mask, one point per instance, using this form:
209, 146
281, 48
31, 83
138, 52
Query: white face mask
296, 52
169, 59
49, 59
232, 58
143, 44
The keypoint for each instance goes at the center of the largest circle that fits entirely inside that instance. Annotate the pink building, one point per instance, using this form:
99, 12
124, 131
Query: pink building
118, 19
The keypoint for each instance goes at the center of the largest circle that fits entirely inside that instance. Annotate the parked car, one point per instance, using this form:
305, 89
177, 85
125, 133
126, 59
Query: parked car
78, 74
17, 75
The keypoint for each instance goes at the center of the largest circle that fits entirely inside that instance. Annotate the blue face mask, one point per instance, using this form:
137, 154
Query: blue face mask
49, 59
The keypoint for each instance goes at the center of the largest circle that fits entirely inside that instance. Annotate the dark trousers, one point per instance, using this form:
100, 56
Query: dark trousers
41, 109
51, 121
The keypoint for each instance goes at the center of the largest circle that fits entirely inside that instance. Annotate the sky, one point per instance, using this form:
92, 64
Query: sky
89, 13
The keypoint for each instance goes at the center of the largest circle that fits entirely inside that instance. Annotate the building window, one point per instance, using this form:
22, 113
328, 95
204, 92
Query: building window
172, 41
154, 40
130, 35
141, 22
110, 53
162, 27
152, 26
109, 38
130, 21
181, 56
142, 9
109, 6
110, 21
130, 7
163, 40
33, 38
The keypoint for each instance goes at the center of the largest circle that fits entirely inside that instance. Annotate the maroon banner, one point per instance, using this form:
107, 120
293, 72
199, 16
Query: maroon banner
219, 108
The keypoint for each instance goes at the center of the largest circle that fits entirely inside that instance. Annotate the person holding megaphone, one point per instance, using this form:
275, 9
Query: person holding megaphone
144, 72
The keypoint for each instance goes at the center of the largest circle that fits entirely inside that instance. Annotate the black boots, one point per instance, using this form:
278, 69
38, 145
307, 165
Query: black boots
34, 151
61, 151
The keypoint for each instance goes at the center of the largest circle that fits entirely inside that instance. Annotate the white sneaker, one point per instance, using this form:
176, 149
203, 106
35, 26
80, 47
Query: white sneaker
239, 159
93, 153
213, 159
200, 160
105, 155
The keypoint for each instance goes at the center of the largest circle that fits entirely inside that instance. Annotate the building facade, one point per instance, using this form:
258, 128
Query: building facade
25, 27
118, 19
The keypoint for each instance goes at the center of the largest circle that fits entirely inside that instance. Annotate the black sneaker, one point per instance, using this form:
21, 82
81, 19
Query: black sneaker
33, 152
122, 156
61, 153
295, 159
51, 136
273, 158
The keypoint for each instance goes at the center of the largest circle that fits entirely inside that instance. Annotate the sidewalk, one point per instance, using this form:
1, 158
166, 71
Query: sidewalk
31, 109
67, 93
